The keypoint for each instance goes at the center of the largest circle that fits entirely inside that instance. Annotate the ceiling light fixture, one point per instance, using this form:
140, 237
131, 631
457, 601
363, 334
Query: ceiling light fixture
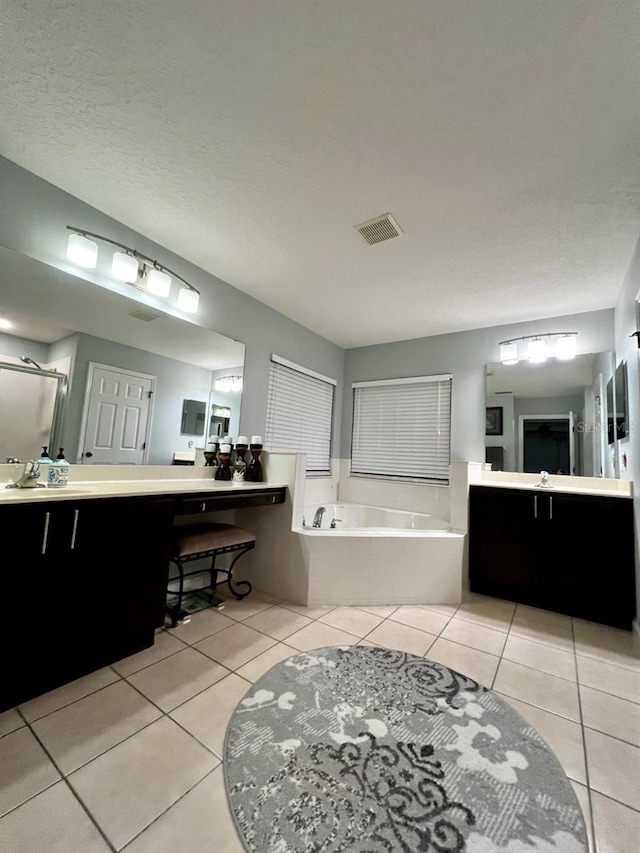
228, 384
537, 349
5, 324
132, 267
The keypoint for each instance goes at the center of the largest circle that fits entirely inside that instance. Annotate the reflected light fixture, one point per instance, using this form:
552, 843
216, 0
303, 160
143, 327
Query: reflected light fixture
228, 384
537, 349
5, 324
132, 267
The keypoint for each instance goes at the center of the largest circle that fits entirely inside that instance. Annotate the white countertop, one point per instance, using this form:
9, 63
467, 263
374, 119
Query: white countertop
80, 490
562, 489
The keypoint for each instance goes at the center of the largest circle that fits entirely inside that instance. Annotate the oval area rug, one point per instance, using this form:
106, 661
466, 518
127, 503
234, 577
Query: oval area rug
365, 749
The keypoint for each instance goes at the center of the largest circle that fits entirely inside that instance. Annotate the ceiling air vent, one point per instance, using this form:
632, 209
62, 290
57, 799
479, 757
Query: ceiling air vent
379, 229
145, 316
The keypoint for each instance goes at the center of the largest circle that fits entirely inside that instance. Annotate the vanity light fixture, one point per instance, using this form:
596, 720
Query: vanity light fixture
131, 266
5, 324
228, 384
537, 347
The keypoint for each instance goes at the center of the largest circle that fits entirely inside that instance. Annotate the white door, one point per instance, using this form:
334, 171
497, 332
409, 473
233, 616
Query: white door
116, 416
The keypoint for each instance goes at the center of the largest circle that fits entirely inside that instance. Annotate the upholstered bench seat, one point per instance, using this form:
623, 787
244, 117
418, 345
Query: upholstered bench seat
199, 541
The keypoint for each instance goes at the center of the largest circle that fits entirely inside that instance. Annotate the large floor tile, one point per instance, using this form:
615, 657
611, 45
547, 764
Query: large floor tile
616, 827
383, 610
538, 688
240, 610
52, 822
394, 635
201, 625
352, 620
420, 617
541, 656
475, 636
80, 732
479, 666
198, 823
611, 715
175, 679
67, 694
10, 721
582, 793
26, 769
125, 789
543, 626
563, 736
319, 634
234, 646
164, 646
611, 645
257, 667
208, 714
489, 612
309, 612
277, 622
609, 678
614, 767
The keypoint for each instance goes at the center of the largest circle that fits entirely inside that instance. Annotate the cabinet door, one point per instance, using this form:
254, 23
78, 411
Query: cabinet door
504, 542
593, 539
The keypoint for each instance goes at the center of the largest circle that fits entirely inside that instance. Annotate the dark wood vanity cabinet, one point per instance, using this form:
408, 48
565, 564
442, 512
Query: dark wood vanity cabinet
569, 553
80, 587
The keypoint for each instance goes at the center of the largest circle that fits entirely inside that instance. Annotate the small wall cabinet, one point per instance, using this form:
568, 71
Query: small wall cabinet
569, 553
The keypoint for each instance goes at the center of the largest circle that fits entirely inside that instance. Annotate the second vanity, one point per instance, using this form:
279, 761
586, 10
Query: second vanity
84, 571
568, 548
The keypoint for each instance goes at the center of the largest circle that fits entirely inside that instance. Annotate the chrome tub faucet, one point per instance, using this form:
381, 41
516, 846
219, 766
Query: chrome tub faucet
317, 518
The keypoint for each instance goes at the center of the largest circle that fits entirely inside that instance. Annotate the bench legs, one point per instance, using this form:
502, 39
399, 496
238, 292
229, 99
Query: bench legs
239, 590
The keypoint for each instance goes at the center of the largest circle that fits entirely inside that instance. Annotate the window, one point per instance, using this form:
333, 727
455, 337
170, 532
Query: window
300, 414
401, 428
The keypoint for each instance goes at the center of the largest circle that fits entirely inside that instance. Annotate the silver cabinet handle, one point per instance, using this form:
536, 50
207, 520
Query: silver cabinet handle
75, 529
535, 506
550, 507
204, 506
45, 532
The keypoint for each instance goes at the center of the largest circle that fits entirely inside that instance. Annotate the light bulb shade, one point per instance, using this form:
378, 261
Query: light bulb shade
158, 283
228, 384
188, 300
82, 251
124, 267
509, 353
537, 350
566, 347
5, 324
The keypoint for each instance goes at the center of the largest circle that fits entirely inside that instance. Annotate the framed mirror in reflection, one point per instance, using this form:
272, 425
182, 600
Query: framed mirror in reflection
555, 416
129, 367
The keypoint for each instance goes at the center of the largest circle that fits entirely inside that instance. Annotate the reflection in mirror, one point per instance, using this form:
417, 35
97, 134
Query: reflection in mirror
194, 413
621, 403
554, 416
219, 423
62, 321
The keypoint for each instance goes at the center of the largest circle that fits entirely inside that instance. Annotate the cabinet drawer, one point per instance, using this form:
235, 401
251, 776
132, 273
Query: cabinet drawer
213, 503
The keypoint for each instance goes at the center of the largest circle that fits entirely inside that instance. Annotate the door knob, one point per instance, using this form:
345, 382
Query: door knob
88, 454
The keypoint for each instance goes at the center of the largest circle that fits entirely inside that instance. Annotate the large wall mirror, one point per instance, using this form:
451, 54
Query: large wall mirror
552, 416
129, 370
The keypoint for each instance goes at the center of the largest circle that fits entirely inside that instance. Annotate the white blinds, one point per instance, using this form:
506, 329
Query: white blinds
300, 414
401, 428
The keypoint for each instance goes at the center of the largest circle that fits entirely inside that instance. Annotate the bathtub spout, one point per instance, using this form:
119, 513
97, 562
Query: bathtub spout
317, 518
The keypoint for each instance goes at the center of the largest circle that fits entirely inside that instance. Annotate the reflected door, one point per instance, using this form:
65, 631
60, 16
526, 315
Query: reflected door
547, 445
117, 417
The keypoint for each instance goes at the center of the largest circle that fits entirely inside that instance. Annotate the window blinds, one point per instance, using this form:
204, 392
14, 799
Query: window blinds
402, 428
300, 414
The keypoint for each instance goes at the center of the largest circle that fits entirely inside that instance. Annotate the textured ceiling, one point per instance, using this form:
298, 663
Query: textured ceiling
250, 137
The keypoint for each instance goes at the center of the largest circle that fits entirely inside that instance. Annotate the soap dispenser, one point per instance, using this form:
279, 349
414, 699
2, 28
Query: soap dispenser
44, 461
58, 475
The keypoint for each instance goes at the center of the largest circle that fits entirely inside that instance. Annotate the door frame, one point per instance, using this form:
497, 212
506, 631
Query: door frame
569, 416
91, 368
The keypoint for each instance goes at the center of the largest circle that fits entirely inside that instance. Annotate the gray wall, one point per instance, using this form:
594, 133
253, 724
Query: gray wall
15, 347
626, 323
33, 219
464, 354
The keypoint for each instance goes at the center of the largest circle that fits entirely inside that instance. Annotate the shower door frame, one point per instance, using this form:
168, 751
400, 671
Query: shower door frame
61, 396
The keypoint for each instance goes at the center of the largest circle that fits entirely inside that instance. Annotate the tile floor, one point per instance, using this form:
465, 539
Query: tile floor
130, 757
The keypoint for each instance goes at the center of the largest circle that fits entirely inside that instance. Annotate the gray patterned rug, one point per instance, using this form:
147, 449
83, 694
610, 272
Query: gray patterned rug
362, 750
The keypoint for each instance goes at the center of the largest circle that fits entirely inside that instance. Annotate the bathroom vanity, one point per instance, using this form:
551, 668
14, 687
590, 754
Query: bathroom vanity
564, 550
84, 572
